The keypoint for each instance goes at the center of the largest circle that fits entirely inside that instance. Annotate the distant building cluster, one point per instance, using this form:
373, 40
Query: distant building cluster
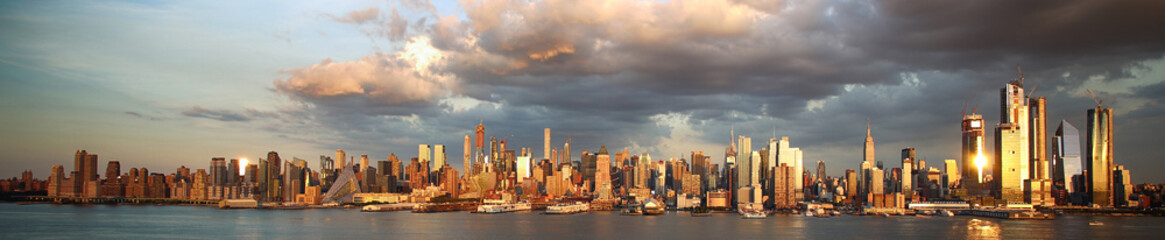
1021, 170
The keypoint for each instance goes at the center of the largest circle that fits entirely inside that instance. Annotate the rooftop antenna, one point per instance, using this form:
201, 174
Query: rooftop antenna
1094, 98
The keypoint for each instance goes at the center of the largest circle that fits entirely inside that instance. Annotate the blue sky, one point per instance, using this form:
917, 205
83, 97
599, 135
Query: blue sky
164, 84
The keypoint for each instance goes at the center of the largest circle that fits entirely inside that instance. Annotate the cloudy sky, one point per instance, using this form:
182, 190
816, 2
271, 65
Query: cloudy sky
164, 84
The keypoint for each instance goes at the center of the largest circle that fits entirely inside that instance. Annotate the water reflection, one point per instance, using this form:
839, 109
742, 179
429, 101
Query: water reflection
982, 229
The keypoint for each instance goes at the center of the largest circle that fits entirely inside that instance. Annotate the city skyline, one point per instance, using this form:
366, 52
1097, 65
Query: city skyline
163, 85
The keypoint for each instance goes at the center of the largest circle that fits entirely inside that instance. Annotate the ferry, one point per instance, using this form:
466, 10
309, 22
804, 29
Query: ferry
947, 213
568, 208
504, 208
753, 214
654, 207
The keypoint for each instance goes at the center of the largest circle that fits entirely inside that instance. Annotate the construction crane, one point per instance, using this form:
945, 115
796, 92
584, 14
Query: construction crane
1020, 74
1094, 98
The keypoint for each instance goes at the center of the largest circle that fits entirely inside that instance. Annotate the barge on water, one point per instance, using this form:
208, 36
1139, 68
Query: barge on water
445, 207
1011, 214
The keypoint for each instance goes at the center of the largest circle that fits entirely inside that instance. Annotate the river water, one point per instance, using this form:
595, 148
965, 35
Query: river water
47, 221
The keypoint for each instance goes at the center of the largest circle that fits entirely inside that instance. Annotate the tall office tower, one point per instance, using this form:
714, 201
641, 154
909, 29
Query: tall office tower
952, 172
424, 153
1098, 155
754, 169
906, 184
546, 144
523, 168
294, 178
466, 162
79, 162
1016, 112
1065, 158
700, 167
868, 149
1039, 188
877, 181
1122, 186
1008, 169
340, 156
396, 166
274, 188
864, 182
783, 189
792, 157
974, 160
494, 153
438, 157
603, 174
218, 177
587, 166
479, 133
744, 161
565, 153
908, 153
112, 171
233, 172
772, 153
90, 171
821, 171
851, 184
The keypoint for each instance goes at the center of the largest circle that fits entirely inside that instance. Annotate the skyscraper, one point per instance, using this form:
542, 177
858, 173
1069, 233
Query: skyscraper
603, 175
1066, 157
1098, 154
438, 157
907, 179
424, 153
868, 149
974, 160
340, 156
546, 144
218, 177
821, 171
466, 162
1007, 171
565, 153
744, 161
1015, 112
1039, 189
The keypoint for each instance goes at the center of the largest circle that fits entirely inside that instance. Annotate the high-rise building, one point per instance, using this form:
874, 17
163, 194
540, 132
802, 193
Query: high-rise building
744, 161
523, 168
467, 165
1122, 186
783, 189
906, 181
342, 157
868, 149
546, 144
438, 156
1098, 155
851, 184
1066, 158
603, 174
754, 169
700, 166
1015, 111
274, 186
218, 177
821, 171
974, 160
1039, 188
1007, 171
952, 172
424, 153
792, 157
479, 133
565, 153
363, 163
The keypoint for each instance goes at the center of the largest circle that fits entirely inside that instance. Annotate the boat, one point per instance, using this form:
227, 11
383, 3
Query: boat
753, 214
1095, 223
821, 213
503, 208
387, 207
835, 213
631, 211
238, 204
576, 207
654, 207
444, 207
947, 213
701, 212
